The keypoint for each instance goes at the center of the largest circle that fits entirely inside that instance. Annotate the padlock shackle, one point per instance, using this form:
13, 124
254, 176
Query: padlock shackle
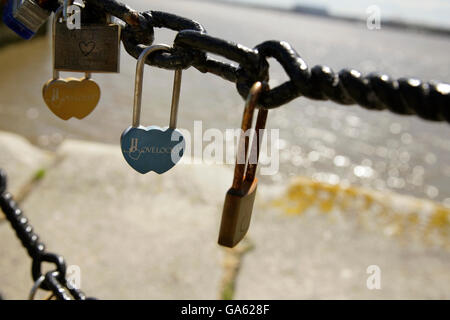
56, 16
140, 79
66, 4
257, 139
175, 98
247, 171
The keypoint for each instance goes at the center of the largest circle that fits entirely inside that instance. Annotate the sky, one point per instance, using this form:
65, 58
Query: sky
429, 12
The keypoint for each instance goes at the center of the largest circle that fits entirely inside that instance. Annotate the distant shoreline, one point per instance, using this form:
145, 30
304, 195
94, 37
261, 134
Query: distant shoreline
323, 13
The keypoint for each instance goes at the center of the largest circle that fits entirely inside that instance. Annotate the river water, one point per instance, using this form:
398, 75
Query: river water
431, 12
321, 140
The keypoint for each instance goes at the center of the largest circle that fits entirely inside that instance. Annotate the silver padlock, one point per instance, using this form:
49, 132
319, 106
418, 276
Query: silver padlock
24, 17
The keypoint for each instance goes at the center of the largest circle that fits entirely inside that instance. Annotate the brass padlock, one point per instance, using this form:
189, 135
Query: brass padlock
70, 97
92, 48
238, 207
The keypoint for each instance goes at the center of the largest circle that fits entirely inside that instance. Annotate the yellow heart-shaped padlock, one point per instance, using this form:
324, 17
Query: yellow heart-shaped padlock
71, 97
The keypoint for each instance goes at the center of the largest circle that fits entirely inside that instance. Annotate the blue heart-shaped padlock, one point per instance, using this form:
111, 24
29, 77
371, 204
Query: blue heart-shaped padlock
152, 148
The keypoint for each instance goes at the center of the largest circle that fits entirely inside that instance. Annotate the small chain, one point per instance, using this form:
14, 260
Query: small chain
55, 280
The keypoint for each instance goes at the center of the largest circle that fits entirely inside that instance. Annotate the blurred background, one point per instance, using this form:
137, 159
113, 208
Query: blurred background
330, 155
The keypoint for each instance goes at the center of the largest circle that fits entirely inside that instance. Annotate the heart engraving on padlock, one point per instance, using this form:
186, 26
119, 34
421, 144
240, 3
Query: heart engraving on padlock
152, 148
86, 47
71, 97
92, 47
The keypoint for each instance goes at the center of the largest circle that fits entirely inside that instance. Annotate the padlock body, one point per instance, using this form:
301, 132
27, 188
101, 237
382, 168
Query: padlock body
71, 97
152, 148
24, 17
93, 48
237, 213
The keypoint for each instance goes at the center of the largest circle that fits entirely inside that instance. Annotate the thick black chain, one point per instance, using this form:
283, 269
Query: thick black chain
405, 96
55, 280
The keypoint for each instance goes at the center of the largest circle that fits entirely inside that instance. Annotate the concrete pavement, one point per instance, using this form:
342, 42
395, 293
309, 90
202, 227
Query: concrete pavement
154, 236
